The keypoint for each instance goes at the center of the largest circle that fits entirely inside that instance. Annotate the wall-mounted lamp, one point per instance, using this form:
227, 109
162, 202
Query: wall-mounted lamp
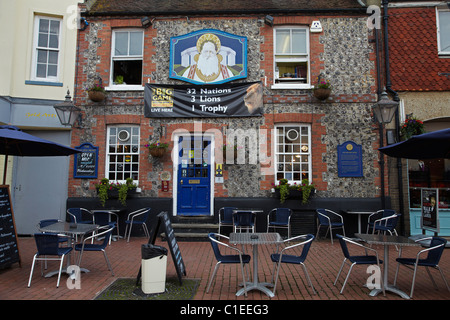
146, 22
384, 109
67, 112
268, 20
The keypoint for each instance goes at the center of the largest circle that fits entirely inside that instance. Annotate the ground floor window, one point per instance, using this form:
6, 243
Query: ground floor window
433, 173
293, 152
122, 160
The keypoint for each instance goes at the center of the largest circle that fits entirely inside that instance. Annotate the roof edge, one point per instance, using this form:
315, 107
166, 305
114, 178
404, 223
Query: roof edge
224, 12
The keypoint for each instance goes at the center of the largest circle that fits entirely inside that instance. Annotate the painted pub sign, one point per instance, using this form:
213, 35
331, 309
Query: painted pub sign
208, 57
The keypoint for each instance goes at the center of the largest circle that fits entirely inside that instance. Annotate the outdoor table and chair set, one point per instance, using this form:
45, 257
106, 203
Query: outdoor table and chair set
245, 220
380, 231
87, 231
93, 231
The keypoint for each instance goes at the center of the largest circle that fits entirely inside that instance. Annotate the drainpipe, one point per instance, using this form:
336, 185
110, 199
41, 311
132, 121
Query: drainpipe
380, 125
397, 114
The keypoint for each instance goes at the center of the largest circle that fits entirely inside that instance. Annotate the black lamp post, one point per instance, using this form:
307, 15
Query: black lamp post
67, 112
384, 111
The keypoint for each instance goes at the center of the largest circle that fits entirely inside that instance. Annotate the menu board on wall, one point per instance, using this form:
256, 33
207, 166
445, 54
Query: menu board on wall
86, 162
9, 250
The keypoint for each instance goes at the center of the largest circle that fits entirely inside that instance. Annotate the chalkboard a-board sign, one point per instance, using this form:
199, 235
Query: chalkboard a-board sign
86, 162
164, 221
9, 250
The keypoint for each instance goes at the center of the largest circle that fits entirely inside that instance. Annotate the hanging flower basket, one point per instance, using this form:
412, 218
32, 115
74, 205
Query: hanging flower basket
157, 149
322, 93
411, 127
157, 152
96, 96
322, 89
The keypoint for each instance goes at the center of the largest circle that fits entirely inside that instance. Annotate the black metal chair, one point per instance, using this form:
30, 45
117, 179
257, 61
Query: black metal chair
387, 224
103, 219
138, 217
105, 233
226, 217
282, 257
377, 215
46, 222
279, 218
48, 249
330, 219
356, 259
239, 258
78, 215
244, 220
434, 253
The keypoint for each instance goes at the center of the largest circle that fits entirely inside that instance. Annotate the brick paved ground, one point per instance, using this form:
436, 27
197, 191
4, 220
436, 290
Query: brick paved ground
323, 264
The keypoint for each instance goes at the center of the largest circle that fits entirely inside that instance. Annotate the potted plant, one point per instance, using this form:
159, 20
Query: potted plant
119, 80
306, 188
322, 89
302, 191
106, 190
124, 189
411, 127
102, 190
283, 189
96, 92
157, 149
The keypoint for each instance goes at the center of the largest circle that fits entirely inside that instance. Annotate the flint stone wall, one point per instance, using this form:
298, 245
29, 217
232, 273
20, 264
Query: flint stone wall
346, 62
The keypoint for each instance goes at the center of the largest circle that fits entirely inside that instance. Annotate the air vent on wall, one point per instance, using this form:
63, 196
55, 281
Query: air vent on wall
124, 135
292, 135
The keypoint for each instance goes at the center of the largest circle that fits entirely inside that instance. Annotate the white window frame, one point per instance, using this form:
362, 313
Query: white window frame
132, 87
281, 166
34, 63
446, 51
301, 58
133, 153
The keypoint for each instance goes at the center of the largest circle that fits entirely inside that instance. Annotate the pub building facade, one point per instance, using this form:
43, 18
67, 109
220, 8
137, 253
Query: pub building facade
230, 90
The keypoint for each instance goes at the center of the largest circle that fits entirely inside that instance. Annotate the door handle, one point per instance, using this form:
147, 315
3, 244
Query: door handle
181, 181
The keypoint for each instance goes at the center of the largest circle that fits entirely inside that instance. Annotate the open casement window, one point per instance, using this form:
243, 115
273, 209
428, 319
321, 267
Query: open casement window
293, 153
443, 27
122, 159
46, 49
291, 57
126, 59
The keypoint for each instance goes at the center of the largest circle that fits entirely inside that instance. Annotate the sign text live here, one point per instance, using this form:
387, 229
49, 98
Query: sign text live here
244, 99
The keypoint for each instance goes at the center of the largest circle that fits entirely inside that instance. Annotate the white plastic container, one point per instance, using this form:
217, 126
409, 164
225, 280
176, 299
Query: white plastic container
154, 274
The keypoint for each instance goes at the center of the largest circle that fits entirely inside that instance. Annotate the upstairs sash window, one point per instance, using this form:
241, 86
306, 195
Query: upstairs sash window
126, 58
291, 57
444, 32
46, 51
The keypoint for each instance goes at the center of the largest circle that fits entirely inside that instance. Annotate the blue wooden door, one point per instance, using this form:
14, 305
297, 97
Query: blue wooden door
194, 176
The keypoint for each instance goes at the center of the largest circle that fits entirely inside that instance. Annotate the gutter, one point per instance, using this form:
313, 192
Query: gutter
225, 12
